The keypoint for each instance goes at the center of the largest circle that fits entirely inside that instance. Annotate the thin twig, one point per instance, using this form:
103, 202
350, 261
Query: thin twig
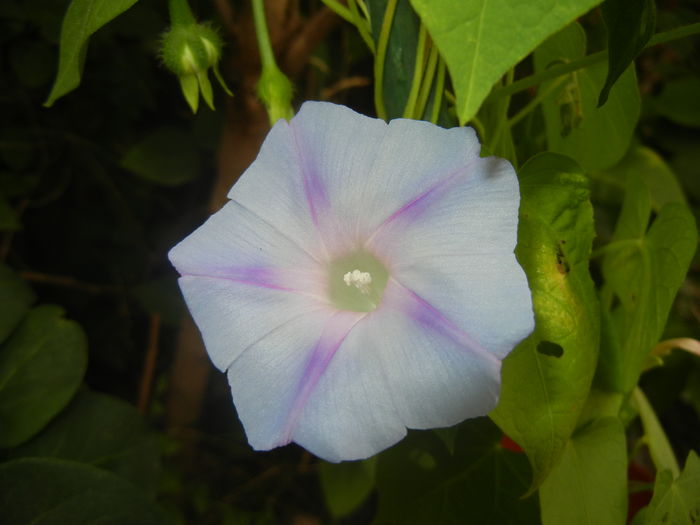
69, 282
225, 10
149, 364
313, 32
344, 84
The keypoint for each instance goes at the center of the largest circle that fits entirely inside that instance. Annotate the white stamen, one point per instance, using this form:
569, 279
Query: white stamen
360, 280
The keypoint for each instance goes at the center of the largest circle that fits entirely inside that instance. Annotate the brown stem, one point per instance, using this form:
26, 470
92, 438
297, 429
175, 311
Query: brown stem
69, 282
311, 34
149, 364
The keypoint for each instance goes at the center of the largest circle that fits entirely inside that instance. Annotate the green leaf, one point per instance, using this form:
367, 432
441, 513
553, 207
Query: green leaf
679, 101
346, 485
481, 40
400, 52
41, 491
103, 431
643, 269
161, 296
630, 26
419, 481
41, 367
589, 485
596, 138
15, 299
542, 395
676, 502
167, 156
645, 163
82, 19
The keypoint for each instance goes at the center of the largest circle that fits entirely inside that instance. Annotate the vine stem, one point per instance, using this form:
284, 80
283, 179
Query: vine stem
574, 65
439, 87
362, 25
427, 82
382, 44
656, 439
542, 94
180, 13
616, 246
339, 9
267, 56
417, 74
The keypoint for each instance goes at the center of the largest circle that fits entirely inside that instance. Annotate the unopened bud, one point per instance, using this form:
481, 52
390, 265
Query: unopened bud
275, 90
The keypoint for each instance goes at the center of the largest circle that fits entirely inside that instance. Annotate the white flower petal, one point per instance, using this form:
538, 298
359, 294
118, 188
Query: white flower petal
414, 156
273, 189
233, 316
272, 380
438, 375
351, 414
395, 371
453, 246
334, 171
236, 244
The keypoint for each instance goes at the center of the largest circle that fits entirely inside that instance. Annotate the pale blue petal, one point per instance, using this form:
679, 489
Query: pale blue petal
397, 368
453, 246
233, 315
273, 189
351, 414
438, 375
337, 149
272, 380
414, 156
234, 243
334, 172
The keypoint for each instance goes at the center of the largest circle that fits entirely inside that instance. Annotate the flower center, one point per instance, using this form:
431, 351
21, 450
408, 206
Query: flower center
356, 282
360, 280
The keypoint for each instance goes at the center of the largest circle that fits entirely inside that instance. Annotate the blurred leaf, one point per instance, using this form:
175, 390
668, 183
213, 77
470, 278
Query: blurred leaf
542, 395
168, 156
679, 101
481, 40
162, 297
691, 391
676, 502
346, 485
8, 218
420, 482
644, 271
643, 163
33, 62
16, 185
103, 431
596, 138
589, 485
630, 26
41, 491
15, 299
41, 367
82, 19
400, 53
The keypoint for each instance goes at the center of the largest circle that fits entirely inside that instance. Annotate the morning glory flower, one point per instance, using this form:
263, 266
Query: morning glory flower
360, 281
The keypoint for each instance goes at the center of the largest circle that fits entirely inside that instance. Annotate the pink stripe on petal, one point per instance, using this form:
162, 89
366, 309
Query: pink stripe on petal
314, 190
416, 207
306, 281
401, 298
334, 334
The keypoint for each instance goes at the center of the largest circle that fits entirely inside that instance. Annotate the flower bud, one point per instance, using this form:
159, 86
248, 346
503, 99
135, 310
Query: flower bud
275, 90
189, 51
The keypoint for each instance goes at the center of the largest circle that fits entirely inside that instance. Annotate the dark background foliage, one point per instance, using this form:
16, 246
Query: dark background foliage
96, 189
